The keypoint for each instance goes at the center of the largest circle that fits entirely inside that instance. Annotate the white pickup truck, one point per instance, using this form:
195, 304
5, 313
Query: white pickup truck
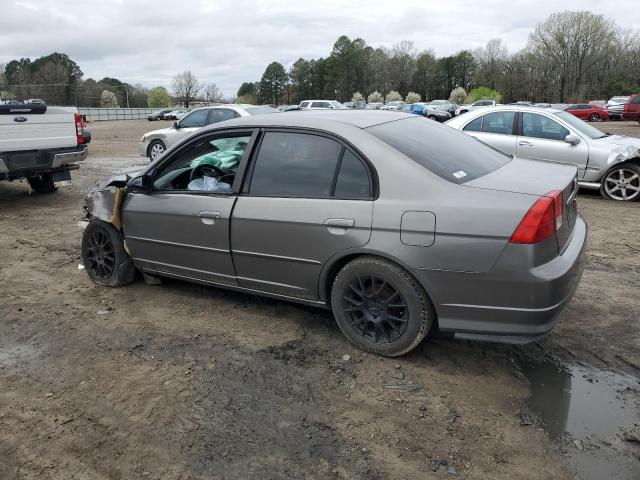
42, 144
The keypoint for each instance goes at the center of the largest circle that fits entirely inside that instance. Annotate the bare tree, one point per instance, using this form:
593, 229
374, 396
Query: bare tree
211, 93
186, 86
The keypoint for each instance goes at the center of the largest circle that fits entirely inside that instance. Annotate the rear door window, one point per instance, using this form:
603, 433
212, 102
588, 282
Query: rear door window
443, 150
221, 114
498, 122
292, 164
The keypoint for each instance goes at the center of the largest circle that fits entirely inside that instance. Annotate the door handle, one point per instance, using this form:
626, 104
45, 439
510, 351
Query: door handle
525, 143
340, 222
209, 218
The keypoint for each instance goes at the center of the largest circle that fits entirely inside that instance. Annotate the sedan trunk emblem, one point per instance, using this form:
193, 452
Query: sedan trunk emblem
20, 119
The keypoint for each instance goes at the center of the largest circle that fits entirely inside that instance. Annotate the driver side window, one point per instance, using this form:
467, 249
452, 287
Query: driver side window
209, 165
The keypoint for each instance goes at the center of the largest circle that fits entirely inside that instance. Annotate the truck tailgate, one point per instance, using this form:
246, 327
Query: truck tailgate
26, 131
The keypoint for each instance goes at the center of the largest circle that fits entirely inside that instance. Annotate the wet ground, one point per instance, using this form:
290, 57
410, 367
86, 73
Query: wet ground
179, 381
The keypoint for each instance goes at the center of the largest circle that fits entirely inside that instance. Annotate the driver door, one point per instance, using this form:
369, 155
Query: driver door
181, 227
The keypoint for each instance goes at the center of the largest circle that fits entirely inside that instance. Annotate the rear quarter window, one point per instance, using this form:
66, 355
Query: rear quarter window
445, 151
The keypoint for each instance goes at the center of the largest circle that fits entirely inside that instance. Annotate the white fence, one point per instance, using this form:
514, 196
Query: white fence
100, 114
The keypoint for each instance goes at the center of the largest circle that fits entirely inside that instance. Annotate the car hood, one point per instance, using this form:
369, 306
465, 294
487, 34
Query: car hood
531, 177
618, 141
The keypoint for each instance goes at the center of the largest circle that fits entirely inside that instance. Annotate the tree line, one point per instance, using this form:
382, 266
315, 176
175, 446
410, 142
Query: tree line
570, 57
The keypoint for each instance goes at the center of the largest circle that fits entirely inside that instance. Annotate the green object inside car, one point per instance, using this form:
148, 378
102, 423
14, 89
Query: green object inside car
226, 154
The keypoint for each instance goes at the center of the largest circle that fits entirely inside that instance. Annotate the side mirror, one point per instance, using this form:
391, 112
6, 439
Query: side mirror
176, 125
572, 139
141, 184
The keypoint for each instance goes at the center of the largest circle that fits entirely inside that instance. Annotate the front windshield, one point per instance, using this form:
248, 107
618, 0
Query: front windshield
582, 127
337, 105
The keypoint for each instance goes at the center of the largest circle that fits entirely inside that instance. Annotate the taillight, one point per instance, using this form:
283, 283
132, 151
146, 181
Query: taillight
543, 219
627, 107
79, 132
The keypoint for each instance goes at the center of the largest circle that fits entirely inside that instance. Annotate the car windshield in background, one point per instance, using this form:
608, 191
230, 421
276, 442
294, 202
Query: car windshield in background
448, 153
337, 105
582, 127
261, 110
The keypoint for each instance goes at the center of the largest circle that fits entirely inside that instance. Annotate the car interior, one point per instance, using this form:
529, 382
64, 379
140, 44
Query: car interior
209, 166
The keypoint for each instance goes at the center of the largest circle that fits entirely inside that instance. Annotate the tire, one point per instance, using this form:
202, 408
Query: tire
156, 149
364, 317
42, 183
594, 117
431, 117
622, 183
104, 257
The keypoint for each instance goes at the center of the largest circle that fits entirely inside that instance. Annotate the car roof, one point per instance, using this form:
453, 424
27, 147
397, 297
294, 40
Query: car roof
330, 120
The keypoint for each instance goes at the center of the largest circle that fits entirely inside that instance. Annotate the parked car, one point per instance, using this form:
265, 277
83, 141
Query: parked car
585, 111
395, 223
153, 144
394, 105
479, 103
176, 114
373, 106
321, 104
424, 109
349, 104
159, 114
615, 107
610, 163
445, 105
632, 108
41, 144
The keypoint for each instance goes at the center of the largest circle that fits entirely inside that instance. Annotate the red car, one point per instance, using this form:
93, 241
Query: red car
632, 108
588, 112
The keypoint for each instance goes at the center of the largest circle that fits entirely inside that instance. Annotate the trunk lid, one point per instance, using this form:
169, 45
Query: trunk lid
22, 130
537, 178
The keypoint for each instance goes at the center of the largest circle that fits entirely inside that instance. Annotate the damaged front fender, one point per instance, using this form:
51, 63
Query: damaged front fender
105, 200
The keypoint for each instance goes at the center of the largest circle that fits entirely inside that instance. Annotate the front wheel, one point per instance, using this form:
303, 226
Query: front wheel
380, 307
104, 257
622, 183
594, 117
156, 150
42, 183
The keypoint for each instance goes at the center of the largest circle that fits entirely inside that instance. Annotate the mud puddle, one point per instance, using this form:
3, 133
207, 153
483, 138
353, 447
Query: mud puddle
586, 412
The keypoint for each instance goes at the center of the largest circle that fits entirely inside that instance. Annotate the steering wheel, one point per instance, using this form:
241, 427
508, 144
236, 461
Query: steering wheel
206, 169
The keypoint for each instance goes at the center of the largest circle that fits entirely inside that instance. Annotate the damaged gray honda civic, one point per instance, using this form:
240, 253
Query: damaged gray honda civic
398, 224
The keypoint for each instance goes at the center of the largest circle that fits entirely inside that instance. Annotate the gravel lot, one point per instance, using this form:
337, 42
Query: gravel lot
180, 381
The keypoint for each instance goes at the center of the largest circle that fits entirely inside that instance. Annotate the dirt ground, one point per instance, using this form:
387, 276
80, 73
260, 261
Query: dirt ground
180, 381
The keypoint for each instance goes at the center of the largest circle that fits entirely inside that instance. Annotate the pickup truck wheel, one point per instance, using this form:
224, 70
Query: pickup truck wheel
380, 307
155, 150
622, 183
42, 183
104, 257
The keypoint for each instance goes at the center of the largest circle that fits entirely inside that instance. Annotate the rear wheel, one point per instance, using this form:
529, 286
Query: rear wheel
156, 149
42, 183
594, 117
104, 257
431, 117
622, 183
380, 307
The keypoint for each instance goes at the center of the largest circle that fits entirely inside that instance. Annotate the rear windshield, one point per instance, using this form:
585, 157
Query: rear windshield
261, 110
445, 151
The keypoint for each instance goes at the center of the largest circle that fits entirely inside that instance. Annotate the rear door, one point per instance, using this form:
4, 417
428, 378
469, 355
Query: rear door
496, 129
543, 138
308, 198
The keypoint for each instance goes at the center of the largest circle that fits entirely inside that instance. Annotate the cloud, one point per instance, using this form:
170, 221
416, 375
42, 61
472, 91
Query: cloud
228, 42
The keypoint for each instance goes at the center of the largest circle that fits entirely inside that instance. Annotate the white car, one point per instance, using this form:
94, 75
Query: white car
176, 114
153, 144
480, 103
395, 105
321, 105
605, 162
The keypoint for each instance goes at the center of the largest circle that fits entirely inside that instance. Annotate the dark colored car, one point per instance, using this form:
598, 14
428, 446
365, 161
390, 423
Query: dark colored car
632, 108
158, 115
584, 111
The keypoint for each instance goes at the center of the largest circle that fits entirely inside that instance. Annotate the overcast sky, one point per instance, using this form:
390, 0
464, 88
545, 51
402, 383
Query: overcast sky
231, 41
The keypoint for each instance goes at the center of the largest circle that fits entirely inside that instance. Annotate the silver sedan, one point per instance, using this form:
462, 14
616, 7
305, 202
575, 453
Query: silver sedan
399, 224
610, 163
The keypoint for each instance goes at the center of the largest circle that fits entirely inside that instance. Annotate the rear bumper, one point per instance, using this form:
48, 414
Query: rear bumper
631, 115
513, 306
14, 165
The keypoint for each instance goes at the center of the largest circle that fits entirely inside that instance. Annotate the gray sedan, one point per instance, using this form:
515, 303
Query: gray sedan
399, 224
606, 162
